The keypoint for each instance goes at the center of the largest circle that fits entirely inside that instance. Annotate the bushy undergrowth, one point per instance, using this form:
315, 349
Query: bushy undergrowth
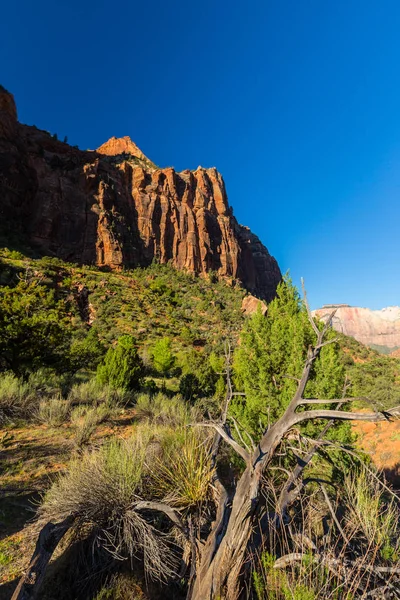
53, 411
85, 420
163, 410
93, 393
103, 487
333, 552
15, 396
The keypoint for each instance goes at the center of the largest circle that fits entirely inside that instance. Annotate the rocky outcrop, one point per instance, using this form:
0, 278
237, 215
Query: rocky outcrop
251, 304
115, 146
113, 207
370, 327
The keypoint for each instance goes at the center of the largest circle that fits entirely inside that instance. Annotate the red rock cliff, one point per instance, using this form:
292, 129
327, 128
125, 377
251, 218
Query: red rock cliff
113, 207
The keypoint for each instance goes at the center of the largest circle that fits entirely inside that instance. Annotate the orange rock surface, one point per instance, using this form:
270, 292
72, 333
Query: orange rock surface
113, 207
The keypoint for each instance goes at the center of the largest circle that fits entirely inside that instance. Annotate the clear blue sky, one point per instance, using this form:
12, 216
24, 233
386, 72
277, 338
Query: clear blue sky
296, 102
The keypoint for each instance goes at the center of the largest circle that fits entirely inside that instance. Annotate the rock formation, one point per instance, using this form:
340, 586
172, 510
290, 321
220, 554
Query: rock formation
113, 207
370, 327
250, 305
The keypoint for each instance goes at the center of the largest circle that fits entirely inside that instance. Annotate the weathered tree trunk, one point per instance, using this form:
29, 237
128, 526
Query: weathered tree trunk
49, 537
221, 559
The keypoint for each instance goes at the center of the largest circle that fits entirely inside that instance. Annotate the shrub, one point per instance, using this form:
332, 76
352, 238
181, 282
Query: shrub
53, 411
46, 382
94, 393
100, 489
163, 358
35, 328
122, 367
85, 420
162, 410
183, 473
15, 396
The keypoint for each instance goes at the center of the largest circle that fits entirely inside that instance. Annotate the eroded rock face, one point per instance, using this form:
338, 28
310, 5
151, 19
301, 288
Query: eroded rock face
370, 327
113, 207
250, 305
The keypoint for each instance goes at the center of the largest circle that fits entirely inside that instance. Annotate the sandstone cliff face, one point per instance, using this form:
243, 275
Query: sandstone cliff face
113, 207
370, 327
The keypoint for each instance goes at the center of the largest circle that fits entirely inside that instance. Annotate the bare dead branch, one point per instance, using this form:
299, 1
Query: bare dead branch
305, 401
228, 439
345, 416
323, 344
162, 507
334, 517
310, 318
239, 434
350, 452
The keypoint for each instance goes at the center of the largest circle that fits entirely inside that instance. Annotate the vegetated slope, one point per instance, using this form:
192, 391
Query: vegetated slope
196, 313
113, 207
377, 377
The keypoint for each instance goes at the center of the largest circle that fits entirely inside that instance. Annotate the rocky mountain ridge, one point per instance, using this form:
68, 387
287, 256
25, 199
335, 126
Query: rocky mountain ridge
113, 207
375, 328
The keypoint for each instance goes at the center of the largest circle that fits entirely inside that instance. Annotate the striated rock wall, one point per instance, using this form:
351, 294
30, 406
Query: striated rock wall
113, 207
370, 327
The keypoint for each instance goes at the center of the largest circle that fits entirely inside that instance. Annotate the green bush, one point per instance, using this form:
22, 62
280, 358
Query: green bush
53, 411
122, 367
92, 392
35, 328
15, 396
270, 359
163, 359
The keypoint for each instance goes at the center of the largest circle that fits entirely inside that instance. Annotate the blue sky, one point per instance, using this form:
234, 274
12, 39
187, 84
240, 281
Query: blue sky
297, 103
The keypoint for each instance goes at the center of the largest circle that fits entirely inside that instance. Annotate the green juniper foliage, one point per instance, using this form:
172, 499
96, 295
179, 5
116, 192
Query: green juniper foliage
270, 359
163, 357
35, 328
122, 367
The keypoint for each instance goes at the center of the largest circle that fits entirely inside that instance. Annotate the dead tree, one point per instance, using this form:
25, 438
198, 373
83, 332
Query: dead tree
221, 558
217, 561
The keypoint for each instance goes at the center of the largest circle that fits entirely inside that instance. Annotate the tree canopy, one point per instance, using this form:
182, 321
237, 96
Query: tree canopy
270, 358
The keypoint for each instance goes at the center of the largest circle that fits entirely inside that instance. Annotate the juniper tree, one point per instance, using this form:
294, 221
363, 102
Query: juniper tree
122, 366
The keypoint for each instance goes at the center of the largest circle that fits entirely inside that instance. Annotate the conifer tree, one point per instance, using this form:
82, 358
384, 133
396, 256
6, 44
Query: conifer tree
163, 357
270, 357
122, 367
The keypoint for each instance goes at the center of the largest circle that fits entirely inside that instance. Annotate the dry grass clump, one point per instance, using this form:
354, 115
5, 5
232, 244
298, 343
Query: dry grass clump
53, 411
183, 472
103, 489
85, 420
93, 393
162, 410
373, 516
15, 396
100, 489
